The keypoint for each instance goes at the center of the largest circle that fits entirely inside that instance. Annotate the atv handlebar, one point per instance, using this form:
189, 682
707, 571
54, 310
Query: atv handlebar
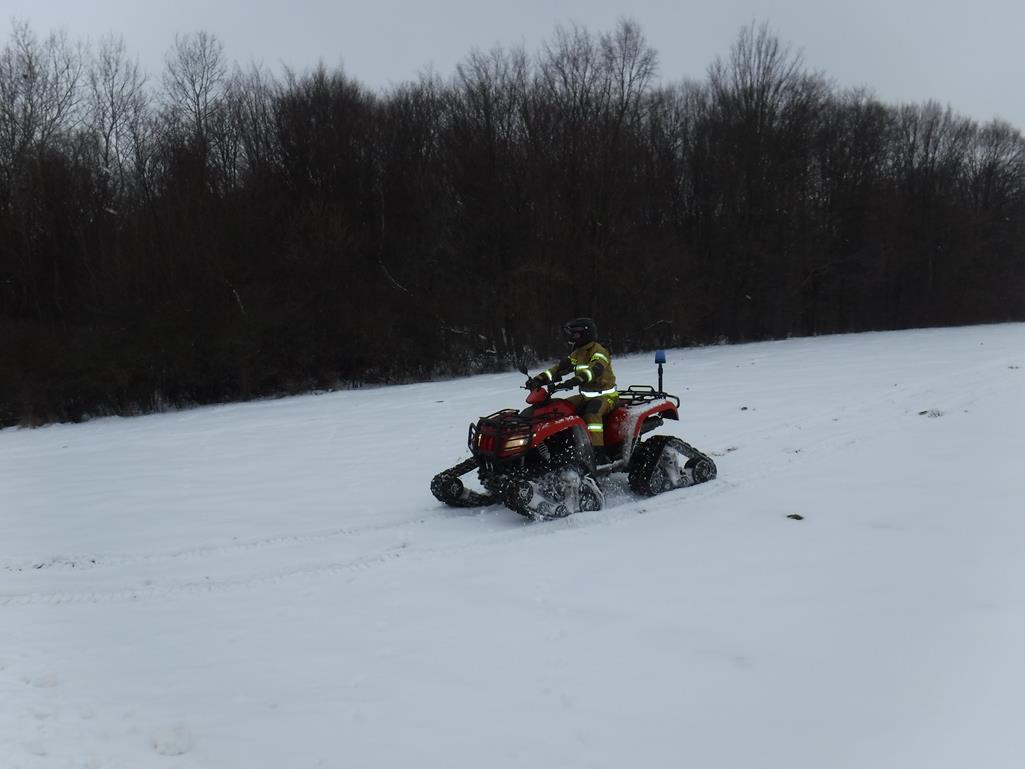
535, 383
551, 386
542, 393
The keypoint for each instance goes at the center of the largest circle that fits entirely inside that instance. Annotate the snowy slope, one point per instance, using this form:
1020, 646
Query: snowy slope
271, 584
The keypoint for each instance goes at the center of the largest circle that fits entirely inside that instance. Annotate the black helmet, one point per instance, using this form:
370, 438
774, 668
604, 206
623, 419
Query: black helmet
580, 331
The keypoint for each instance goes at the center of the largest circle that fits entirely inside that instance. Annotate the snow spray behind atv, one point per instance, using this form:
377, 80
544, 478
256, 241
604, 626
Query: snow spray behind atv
540, 463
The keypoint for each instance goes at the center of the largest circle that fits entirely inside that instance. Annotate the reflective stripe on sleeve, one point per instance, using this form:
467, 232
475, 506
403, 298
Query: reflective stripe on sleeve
596, 428
584, 372
599, 356
587, 394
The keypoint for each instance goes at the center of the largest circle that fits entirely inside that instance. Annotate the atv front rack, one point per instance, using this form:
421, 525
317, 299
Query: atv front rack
504, 433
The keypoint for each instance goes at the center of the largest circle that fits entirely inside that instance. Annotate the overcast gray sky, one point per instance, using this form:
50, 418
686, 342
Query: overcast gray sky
968, 55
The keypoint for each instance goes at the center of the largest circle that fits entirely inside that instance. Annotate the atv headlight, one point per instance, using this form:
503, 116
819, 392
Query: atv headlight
515, 442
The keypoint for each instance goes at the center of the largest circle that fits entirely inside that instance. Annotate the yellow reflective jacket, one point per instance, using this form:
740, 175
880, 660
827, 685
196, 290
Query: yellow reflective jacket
592, 365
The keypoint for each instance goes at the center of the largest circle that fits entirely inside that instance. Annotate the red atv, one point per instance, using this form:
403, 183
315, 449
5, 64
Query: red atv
540, 463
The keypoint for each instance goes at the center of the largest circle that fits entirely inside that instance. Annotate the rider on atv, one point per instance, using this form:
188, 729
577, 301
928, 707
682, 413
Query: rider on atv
591, 366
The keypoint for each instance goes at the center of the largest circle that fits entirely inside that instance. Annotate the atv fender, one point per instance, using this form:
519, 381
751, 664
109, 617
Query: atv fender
627, 424
555, 426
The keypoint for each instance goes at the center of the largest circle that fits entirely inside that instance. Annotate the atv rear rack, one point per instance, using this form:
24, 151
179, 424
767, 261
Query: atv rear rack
636, 395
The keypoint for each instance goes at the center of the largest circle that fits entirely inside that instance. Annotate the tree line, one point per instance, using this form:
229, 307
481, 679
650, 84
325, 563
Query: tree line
223, 233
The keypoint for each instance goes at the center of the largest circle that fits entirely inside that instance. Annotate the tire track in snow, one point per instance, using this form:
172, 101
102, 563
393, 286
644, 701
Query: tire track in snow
197, 552
510, 530
201, 587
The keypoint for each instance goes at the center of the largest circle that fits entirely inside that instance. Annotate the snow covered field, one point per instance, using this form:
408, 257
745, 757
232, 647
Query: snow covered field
271, 584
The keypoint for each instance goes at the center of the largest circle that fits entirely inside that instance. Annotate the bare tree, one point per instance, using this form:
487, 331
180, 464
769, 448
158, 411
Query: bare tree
194, 79
491, 87
630, 63
250, 97
569, 72
39, 91
997, 167
117, 106
760, 76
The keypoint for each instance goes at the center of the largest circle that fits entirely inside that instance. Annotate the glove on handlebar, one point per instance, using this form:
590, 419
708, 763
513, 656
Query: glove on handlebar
535, 382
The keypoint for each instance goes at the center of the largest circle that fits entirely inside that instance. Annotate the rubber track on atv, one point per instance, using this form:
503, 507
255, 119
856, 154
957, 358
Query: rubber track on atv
447, 488
521, 494
647, 456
